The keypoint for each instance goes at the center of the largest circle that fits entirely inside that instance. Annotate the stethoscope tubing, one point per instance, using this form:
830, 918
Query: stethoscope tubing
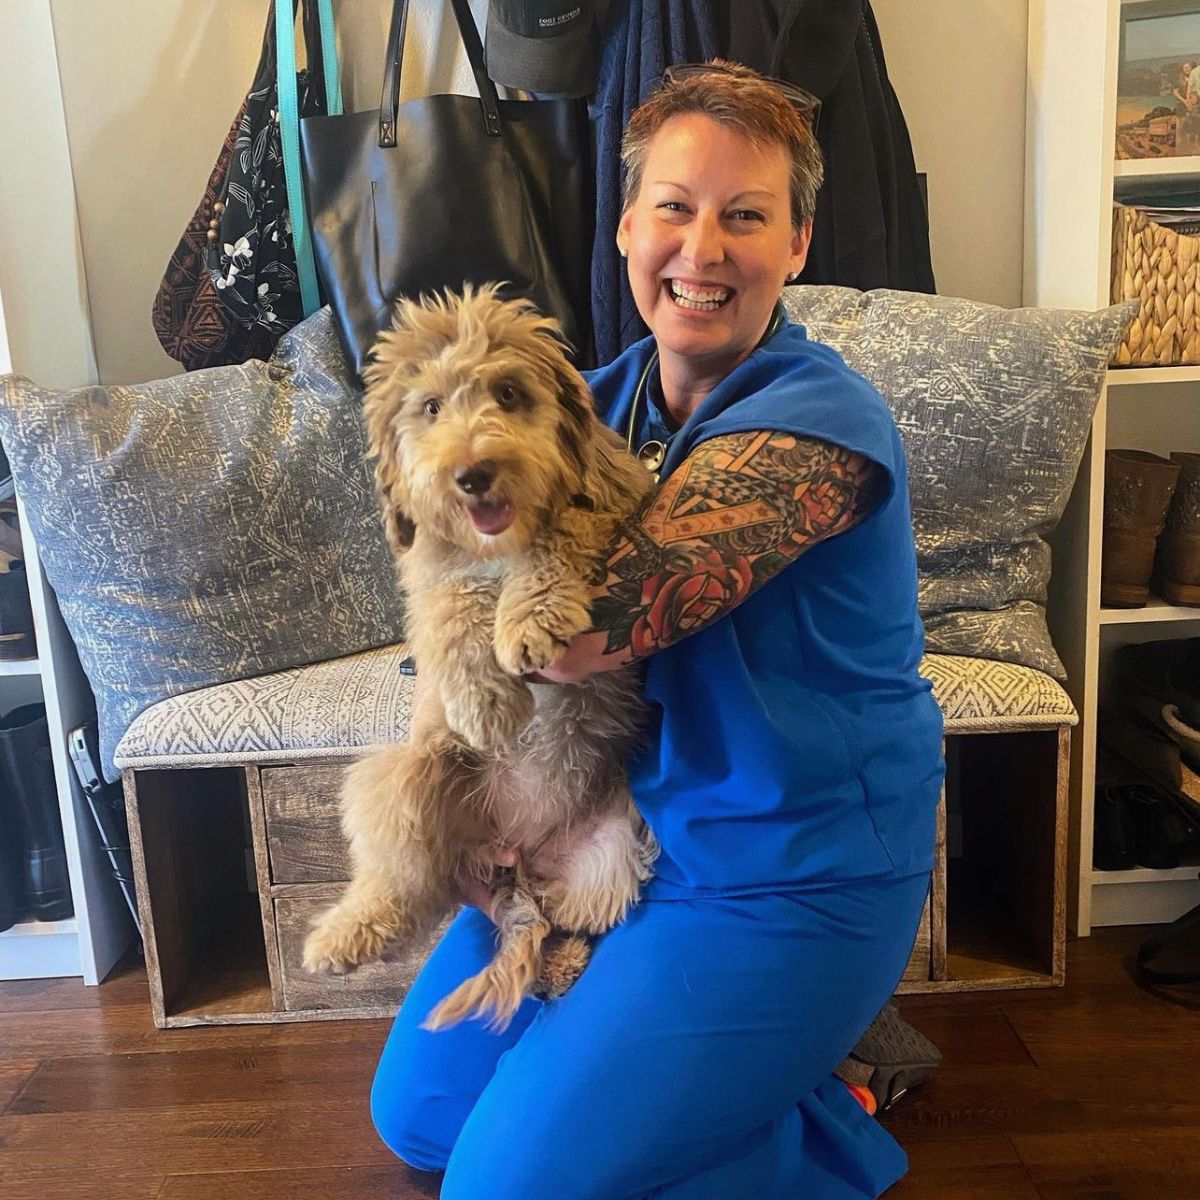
639, 393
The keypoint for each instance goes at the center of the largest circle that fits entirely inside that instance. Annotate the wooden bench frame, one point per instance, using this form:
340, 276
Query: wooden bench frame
222, 935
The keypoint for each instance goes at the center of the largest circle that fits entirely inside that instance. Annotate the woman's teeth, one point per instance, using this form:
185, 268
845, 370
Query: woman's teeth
703, 299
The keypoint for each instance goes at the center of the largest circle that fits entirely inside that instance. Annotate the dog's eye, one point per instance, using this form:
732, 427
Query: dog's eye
432, 407
508, 396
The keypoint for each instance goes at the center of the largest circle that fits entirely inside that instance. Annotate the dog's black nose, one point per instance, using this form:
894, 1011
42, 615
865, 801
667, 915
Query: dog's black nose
476, 479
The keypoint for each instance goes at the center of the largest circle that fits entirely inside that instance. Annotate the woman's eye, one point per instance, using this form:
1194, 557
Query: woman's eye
432, 407
748, 214
673, 206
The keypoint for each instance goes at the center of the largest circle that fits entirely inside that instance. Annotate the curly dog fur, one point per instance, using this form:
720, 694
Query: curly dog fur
500, 492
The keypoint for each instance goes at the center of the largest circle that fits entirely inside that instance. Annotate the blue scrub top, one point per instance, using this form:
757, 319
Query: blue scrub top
792, 743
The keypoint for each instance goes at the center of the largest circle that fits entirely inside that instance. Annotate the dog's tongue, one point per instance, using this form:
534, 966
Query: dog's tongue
492, 516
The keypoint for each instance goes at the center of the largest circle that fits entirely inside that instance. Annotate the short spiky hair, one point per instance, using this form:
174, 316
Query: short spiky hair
743, 100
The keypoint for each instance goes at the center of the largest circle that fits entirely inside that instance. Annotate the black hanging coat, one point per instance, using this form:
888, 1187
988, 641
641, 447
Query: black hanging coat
641, 38
871, 228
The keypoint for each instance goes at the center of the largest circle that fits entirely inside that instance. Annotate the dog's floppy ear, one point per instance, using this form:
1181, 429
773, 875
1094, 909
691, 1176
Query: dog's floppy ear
576, 424
393, 495
380, 405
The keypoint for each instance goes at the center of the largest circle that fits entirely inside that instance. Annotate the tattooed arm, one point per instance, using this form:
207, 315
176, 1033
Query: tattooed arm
730, 518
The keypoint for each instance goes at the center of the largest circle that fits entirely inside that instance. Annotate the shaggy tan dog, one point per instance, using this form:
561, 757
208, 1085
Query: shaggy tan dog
500, 492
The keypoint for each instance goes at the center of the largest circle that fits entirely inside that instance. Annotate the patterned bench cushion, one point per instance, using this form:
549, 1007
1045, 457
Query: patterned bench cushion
979, 695
332, 708
319, 711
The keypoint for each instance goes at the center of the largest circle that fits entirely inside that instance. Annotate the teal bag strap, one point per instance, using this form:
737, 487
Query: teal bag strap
329, 59
289, 132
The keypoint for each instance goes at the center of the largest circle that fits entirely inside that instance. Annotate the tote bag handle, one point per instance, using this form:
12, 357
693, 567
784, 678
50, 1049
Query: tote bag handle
389, 104
289, 131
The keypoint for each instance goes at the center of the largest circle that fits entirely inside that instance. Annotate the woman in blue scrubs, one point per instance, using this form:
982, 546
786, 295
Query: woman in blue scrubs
793, 765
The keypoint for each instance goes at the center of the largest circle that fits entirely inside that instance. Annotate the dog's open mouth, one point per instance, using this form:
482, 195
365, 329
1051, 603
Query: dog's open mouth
491, 517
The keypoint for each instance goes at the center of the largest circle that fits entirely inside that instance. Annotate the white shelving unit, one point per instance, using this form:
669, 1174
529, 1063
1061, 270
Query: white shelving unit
51, 341
1071, 180
89, 943
1154, 169
1133, 376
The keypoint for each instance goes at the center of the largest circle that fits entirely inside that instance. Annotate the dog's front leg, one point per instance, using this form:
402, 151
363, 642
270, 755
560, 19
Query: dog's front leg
540, 609
483, 704
400, 883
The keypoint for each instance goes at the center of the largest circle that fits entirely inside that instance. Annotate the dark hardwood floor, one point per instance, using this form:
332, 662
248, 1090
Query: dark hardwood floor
1091, 1092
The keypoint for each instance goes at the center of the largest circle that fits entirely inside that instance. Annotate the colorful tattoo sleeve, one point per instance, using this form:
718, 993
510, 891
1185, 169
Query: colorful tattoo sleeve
739, 510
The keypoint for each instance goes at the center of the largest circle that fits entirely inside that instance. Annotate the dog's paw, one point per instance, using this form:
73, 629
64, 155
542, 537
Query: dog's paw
594, 902
521, 649
336, 946
492, 723
594, 910
533, 632
564, 957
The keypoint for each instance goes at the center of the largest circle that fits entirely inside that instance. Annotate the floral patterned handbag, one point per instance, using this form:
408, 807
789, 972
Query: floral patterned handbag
233, 287
253, 261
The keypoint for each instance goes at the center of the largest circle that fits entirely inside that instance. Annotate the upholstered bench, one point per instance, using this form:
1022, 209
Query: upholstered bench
232, 799
224, 524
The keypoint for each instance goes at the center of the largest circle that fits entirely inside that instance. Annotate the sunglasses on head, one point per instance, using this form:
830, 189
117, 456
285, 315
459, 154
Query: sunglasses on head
805, 103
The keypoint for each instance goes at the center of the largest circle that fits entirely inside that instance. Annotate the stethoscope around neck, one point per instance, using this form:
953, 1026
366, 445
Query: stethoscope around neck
653, 453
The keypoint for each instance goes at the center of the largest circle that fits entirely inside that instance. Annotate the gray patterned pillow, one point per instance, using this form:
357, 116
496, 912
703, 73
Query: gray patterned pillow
994, 406
209, 527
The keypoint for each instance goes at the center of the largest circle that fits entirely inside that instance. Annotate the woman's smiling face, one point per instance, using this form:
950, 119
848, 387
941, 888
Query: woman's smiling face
710, 242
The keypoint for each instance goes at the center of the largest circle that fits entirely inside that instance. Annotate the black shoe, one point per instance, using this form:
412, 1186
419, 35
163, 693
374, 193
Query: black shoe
891, 1059
28, 778
1144, 825
1160, 682
16, 616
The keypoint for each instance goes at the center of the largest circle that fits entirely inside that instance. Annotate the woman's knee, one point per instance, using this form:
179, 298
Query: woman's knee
426, 1084
415, 1124
500, 1176
528, 1164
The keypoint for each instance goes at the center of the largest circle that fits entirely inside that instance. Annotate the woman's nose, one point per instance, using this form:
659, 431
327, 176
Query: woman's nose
703, 245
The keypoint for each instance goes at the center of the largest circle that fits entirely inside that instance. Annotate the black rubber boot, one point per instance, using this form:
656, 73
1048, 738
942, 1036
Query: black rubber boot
28, 775
12, 882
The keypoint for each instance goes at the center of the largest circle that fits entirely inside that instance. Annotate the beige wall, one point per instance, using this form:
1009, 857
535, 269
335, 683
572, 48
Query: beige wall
148, 88
958, 67
41, 257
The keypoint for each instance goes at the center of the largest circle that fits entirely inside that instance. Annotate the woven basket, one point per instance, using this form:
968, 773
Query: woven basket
1160, 268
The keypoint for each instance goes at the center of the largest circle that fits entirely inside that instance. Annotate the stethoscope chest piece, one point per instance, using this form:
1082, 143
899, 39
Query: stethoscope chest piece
653, 453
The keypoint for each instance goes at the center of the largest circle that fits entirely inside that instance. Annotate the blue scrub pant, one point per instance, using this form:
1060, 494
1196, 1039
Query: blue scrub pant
692, 1061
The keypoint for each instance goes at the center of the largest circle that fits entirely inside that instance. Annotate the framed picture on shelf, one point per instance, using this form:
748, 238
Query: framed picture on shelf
1158, 79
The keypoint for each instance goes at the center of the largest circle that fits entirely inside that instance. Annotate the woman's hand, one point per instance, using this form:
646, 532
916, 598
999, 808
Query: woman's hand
584, 656
479, 894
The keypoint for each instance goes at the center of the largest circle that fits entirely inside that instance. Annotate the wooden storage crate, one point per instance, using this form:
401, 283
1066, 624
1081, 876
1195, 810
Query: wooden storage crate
236, 849
233, 862
998, 891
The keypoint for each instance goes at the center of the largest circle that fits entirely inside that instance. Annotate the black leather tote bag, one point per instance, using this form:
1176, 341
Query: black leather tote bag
446, 190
